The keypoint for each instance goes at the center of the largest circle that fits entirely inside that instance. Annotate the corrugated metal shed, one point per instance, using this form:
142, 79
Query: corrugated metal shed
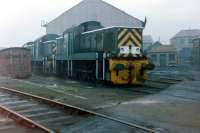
198, 37
92, 10
183, 39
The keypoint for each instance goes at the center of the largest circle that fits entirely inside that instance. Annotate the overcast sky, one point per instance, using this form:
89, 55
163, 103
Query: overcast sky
20, 19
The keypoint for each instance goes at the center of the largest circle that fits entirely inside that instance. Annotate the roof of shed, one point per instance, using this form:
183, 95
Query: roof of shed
158, 47
188, 33
198, 37
14, 48
92, 10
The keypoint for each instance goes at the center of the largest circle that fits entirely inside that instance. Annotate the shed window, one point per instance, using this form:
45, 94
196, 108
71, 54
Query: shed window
171, 57
154, 58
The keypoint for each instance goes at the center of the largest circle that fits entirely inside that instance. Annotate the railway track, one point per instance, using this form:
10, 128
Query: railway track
8, 125
164, 80
54, 117
155, 85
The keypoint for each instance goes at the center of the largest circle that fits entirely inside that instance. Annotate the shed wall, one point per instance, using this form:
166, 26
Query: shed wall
96, 10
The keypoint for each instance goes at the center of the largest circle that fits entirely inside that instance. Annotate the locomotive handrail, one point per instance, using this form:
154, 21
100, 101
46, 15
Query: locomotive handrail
106, 28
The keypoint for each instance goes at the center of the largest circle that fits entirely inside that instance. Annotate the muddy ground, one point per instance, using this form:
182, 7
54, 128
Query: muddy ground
175, 109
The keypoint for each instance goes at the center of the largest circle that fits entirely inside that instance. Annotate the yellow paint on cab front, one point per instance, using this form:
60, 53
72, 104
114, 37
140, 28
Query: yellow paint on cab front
133, 72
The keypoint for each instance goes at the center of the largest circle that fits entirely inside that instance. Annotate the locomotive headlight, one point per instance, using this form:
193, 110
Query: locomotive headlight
135, 50
124, 50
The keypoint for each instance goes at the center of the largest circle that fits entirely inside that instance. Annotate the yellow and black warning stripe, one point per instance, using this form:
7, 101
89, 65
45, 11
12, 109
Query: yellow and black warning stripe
127, 37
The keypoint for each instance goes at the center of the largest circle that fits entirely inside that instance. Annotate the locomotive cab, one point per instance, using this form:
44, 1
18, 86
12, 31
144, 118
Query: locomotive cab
112, 54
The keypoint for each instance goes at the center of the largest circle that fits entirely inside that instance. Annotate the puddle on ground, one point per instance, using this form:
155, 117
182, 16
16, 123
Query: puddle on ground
89, 87
144, 101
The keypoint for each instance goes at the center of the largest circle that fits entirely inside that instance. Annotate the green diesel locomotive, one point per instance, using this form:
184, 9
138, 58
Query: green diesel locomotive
93, 52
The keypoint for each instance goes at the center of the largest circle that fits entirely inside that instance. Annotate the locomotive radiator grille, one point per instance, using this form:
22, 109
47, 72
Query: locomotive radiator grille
128, 71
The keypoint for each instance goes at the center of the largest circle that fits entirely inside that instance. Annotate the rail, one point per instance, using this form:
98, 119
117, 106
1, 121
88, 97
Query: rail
63, 106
